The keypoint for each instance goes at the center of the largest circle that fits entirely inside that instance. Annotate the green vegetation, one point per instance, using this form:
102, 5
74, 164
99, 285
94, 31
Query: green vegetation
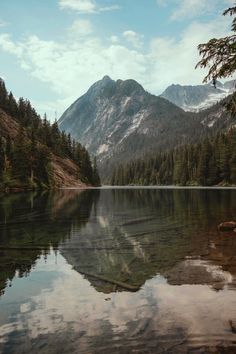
25, 161
219, 54
210, 162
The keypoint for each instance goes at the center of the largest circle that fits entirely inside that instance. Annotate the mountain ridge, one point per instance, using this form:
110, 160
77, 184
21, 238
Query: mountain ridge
119, 121
195, 98
111, 115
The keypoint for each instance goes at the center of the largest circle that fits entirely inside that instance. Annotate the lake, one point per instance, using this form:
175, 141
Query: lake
118, 271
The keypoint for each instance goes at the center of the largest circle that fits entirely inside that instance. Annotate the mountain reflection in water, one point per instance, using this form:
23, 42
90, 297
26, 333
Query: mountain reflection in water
137, 270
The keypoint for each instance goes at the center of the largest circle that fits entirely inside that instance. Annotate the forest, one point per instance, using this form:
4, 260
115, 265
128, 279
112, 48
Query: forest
211, 162
25, 161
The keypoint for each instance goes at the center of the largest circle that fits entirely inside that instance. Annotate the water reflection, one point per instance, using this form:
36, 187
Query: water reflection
142, 271
32, 225
135, 234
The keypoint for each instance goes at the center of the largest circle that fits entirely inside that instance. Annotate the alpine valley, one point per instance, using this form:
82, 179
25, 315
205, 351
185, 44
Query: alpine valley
119, 121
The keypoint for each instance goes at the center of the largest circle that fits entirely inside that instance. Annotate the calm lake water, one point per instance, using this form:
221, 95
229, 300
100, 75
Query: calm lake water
117, 271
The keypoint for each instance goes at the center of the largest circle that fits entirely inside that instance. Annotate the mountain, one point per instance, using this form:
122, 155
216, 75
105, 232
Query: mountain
119, 120
199, 97
35, 154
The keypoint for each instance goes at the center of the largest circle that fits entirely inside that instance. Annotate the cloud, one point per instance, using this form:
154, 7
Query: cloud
193, 8
109, 8
81, 28
85, 6
174, 60
71, 66
134, 38
162, 2
9, 46
3, 23
82, 6
114, 39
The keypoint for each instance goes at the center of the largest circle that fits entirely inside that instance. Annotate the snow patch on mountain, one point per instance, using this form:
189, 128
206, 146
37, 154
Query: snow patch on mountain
102, 148
199, 97
210, 101
135, 123
213, 117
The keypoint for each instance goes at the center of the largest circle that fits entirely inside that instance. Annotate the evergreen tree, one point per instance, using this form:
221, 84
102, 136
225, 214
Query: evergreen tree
96, 178
25, 160
211, 162
33, 156
2, 157
219, 54
21, 162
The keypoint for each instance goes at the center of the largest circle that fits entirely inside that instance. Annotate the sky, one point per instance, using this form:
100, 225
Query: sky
52, 51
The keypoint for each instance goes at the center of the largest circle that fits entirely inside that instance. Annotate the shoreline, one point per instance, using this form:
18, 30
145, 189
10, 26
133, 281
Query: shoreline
107, 187
155, 187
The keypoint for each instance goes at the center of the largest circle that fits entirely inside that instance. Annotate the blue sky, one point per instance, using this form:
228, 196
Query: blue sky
51, 51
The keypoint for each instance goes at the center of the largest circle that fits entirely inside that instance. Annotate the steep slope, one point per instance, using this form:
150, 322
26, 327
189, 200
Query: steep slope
64, 172
119, 120
199, 97
217, 118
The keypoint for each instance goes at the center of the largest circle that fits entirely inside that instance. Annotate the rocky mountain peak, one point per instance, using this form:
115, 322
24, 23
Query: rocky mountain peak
118, 120
106, 78
129, 87
199, 97
104, 87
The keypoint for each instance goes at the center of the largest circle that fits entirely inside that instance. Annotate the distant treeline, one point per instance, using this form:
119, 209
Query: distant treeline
26, 159
210, 162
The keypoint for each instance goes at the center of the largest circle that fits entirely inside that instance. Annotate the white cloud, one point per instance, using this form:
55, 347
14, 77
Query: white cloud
9, 46
134, 38
70, 67
193, 8
85, 6
109, 8
3, 23
81, 28
114, 39
174, 60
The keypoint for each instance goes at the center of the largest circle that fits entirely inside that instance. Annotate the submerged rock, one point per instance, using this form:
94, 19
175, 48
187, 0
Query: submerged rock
227, 226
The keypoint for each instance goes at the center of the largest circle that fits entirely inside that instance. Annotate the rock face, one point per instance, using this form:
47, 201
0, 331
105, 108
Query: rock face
197, 98
119, 120
65, 173
8, 126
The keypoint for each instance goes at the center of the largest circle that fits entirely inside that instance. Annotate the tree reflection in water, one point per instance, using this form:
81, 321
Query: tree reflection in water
162, 243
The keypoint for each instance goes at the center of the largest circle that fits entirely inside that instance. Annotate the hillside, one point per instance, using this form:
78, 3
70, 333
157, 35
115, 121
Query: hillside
35, 154
118, 120
210, 162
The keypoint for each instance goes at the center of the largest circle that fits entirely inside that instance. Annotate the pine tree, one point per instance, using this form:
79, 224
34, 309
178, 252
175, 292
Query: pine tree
42, 166
96, 178
21, 163
219, 54
27, 157
2, 157
32, 157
